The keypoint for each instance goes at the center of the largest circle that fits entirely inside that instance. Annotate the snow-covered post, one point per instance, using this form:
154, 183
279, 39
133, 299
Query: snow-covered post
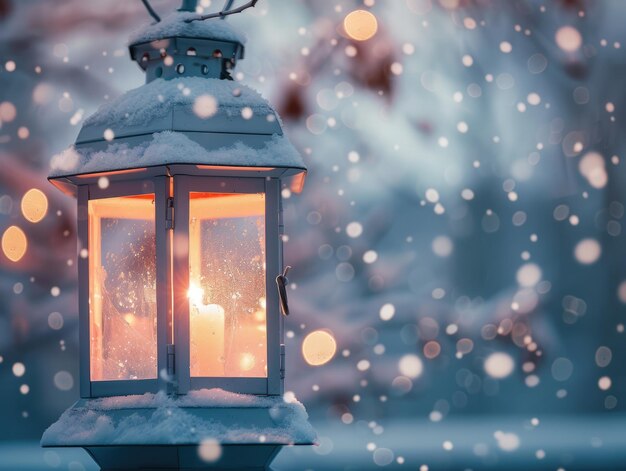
182, 283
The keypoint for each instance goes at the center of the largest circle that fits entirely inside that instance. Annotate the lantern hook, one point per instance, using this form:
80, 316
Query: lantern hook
228, 10
151, 10
282, 282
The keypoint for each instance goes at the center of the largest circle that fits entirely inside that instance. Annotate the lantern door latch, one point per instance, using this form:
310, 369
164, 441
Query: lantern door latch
282, 282
169, 214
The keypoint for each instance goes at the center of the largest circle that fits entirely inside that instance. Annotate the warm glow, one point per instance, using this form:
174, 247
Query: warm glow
297, 182
259, 316
206, 336
195, 294
246, 363
112, 173
34, 205
122, 288
318, 348
360, 25
231, 167
227, 316
14, 243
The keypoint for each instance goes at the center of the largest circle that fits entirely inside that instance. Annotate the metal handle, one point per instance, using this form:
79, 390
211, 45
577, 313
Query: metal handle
281, 283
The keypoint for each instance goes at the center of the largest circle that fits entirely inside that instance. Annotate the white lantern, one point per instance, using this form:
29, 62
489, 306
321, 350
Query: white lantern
180, 230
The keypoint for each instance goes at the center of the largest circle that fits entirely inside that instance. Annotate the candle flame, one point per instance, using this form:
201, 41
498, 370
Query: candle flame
195, 295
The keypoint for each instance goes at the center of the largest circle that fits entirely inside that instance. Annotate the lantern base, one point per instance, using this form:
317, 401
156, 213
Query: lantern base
206, 429
182, 457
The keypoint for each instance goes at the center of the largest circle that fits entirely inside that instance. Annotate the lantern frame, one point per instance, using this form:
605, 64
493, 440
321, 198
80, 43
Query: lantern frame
91, 192
152, 140
171, 187
270, 187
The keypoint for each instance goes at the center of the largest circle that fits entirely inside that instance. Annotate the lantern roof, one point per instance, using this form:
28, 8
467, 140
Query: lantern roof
204, 99
190, 112
188, 120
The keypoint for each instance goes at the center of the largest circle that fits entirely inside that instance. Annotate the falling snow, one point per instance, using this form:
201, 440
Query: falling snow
458, 250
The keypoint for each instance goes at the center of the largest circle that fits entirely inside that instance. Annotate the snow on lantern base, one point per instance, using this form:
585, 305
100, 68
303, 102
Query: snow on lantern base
208, 428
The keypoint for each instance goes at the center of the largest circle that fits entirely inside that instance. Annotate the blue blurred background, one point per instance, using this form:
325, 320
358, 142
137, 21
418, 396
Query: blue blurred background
460, 232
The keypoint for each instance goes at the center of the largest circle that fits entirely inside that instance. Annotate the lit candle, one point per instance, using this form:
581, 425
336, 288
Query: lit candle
207, 339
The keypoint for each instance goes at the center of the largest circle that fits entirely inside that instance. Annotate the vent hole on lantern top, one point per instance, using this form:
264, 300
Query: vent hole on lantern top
180, 68
217, 53
192, 51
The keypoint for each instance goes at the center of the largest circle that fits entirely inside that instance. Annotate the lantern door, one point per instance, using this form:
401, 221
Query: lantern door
226, 257
122, 315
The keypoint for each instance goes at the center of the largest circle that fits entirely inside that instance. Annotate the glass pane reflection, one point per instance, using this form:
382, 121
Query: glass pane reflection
227, 285
122, 288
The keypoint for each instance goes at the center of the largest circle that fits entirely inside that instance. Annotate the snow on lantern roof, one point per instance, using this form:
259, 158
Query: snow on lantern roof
155, 99
174, 25
167, 148
158, 419
188, 120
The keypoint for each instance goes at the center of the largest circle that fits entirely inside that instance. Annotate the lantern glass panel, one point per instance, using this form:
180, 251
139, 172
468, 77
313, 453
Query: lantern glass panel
122, 288
228, 335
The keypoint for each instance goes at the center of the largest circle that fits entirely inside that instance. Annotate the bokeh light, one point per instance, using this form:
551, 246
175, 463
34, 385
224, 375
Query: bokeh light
55, 320
507, 441
432, 349
18, 369
354, 230
411, 366
7, 111
568, 38
587, 251
209, 450
593, 168
205, 106
442, 246
14, 243
360, 25
63, 380
562, 369
499, 365
387, 311
528, 275
34, 205
604, 383
404, 213
319, 347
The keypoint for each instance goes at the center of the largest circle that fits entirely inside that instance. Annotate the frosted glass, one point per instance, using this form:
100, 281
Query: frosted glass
228, 336
122, 288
